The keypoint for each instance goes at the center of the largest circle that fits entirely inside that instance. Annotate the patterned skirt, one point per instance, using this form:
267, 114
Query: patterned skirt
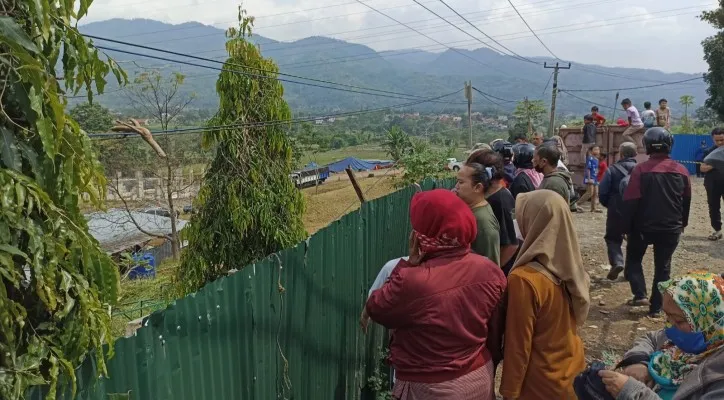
476, 385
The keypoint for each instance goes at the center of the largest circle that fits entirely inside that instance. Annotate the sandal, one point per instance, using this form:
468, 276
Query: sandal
638, 302
715, 236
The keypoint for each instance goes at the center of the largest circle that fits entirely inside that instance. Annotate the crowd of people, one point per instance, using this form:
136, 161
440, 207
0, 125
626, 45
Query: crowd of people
495, 274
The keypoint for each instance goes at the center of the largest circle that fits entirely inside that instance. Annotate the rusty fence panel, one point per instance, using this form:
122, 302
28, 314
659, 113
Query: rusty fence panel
283, 328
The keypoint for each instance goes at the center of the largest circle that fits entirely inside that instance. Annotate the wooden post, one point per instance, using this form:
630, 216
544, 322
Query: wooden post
357, 189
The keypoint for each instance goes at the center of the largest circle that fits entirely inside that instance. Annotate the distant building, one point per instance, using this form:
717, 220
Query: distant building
319, 121
503, 118
457, 119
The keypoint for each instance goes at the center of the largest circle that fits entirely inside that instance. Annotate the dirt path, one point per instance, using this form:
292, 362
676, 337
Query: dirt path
612, 326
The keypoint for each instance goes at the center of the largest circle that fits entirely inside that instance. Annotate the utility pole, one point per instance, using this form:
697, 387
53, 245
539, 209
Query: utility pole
528, 116
469, 96
551, 125
613, 113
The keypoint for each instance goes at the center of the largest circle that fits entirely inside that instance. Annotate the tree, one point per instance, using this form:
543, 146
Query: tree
92, 118
531, 113
706, 118
397, 143
56, 284
714, 55
686, 101
160, 97
247, 207
422, 162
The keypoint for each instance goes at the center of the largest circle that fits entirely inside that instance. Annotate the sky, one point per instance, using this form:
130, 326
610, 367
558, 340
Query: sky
656, 34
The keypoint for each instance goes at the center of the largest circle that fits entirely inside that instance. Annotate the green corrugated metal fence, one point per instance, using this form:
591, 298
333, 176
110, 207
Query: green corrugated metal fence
284, 328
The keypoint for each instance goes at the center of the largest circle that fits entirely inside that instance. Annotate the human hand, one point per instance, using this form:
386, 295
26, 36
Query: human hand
613, 380
706, 168
639, 372
416, 255
364, 321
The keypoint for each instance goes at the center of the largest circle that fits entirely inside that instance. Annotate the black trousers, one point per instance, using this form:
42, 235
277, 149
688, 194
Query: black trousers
714, 195
699, 174
664, 246
614, 240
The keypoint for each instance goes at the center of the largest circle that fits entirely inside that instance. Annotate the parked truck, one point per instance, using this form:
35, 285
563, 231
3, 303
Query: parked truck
608, 137
309, 176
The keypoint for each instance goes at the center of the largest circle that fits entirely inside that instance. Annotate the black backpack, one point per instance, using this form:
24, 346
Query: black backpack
623, 184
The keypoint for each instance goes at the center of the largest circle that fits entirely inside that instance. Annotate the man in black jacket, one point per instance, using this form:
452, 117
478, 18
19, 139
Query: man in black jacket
611, 197
655, 211
714, 184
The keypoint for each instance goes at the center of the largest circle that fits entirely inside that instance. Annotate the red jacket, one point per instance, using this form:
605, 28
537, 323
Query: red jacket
446, 315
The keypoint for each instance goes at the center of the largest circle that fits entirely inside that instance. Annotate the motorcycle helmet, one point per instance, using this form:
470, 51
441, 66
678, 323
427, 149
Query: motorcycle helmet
523, 155
658, 140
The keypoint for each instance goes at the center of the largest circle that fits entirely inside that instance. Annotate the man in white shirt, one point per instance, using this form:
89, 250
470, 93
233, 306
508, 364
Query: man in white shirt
634, 120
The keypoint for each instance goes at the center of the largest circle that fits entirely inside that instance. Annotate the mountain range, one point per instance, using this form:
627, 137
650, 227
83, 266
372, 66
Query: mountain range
408, 71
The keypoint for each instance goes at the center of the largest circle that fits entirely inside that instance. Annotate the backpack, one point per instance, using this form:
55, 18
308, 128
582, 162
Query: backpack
623, 184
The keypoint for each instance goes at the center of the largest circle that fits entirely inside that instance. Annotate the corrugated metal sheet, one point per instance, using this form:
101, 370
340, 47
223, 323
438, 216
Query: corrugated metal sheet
685, 147
284, 328
116, 231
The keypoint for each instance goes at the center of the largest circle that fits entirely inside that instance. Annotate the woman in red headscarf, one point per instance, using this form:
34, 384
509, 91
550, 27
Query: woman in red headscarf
443, 306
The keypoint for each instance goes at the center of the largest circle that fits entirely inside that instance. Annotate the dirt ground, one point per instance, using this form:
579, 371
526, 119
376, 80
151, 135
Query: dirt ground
336, 197
612, 326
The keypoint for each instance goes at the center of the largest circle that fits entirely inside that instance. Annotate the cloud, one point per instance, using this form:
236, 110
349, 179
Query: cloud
660, 34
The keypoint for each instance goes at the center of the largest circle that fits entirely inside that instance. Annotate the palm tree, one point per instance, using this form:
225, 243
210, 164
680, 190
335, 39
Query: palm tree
397, 143
686, 101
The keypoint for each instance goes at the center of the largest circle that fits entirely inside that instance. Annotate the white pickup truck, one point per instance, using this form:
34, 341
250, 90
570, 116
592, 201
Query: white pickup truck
453, 164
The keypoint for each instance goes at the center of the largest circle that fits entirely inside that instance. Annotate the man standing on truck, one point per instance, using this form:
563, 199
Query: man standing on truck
714, 184
599, 119
663, 115
589, 137
634, 120
656, 206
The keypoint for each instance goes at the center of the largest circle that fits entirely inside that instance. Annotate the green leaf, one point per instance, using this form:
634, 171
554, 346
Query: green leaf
9, 155
14, 36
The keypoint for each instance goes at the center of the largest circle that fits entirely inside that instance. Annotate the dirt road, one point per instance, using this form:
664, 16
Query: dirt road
612, 326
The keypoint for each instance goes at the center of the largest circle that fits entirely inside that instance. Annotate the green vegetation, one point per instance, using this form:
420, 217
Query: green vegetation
57, 284
248, 207
714, 55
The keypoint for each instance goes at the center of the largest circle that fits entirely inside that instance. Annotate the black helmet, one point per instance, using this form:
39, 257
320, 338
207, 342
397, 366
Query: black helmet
658, 140
523, 155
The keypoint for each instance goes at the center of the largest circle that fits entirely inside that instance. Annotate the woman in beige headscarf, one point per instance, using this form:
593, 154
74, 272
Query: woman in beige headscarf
562, 149
547, 300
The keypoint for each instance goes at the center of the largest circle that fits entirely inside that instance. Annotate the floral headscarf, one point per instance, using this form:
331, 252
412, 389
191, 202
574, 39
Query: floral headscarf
700, 295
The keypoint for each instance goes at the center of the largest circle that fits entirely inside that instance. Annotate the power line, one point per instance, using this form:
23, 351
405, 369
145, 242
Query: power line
497, 98
427, 36
462, 30
251, 75
249, 67
547, 83
274, 123
532, 31
486, 35
181, 28
633, 88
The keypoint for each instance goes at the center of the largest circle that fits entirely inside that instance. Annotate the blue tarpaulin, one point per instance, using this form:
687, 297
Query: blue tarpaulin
357, 164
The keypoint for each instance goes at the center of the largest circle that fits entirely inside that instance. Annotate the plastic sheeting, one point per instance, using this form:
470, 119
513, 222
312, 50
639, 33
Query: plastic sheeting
358, 165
